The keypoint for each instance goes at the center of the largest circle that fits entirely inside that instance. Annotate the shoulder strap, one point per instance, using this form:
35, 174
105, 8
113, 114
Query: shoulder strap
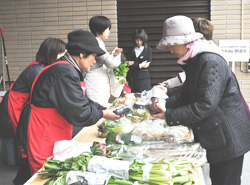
34, 63
44, 69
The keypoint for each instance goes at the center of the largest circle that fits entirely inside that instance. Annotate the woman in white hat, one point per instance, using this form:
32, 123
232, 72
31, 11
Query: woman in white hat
209, 101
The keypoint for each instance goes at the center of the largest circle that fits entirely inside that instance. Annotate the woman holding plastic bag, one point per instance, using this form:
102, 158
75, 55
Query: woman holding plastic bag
98, 79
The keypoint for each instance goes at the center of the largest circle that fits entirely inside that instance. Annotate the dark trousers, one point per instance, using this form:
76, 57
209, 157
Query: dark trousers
227, 173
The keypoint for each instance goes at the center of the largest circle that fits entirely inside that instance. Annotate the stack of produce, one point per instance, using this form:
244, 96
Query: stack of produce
139, 121
140, 160
142, 126
151, 150
57, 170
122, 172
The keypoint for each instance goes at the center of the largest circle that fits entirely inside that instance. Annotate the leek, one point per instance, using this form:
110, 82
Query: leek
157, 175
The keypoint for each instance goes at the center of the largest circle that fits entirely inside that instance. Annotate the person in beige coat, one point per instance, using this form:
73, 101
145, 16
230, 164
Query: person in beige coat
98, 78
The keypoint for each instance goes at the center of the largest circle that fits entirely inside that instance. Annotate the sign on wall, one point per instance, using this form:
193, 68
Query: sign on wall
235, 50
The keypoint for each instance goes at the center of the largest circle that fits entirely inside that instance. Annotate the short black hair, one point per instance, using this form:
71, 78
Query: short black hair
49, 49
141, 34
98, 24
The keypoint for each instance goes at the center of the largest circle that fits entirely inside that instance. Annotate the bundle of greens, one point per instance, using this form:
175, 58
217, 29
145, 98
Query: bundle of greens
58, 179
157, 173
119, 126
112, 151
171, 173
138, 116
114, 181
105, 127
121, 72
175, 172
123, 138
57, 170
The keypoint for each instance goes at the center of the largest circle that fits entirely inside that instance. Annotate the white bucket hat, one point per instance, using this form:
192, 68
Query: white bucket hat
177, 30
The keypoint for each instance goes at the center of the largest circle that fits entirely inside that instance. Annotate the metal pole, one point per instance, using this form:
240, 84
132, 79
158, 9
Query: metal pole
3, 69
5, 57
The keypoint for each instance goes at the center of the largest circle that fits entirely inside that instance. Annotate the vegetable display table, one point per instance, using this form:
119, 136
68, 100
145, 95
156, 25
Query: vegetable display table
90, 134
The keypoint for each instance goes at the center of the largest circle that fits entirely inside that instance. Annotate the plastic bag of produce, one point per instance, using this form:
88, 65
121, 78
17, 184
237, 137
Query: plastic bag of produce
86, 178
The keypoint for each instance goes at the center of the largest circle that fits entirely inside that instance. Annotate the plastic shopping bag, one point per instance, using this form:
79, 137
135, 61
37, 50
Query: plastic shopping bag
115, 86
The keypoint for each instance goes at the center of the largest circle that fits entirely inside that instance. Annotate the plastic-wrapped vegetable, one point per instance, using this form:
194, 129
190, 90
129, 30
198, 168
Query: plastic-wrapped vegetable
123, 138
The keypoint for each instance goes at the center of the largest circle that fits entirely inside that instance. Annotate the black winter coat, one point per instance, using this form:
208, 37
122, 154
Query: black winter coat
139, 78
210, 104
59, 87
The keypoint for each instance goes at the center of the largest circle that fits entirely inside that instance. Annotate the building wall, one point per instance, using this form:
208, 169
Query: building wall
26, 23
231, 20
151, 16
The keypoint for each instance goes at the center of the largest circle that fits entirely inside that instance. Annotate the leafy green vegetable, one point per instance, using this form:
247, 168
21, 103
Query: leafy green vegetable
52, 168
115, 181
105, 127
123, 138
159, 173
119, 126
115, 151
121, 72
58, 179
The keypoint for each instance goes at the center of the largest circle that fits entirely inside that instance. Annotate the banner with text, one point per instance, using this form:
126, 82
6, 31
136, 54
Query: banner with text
235, 50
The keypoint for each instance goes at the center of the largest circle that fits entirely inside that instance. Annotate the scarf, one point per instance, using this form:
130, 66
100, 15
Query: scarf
193, 47
71, 60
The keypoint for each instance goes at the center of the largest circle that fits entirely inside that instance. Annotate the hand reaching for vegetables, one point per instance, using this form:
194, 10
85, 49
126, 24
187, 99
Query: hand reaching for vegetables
160, 115
144, 64
117, 51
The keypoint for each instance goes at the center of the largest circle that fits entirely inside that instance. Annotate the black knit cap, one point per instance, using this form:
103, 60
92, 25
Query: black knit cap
82, 40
